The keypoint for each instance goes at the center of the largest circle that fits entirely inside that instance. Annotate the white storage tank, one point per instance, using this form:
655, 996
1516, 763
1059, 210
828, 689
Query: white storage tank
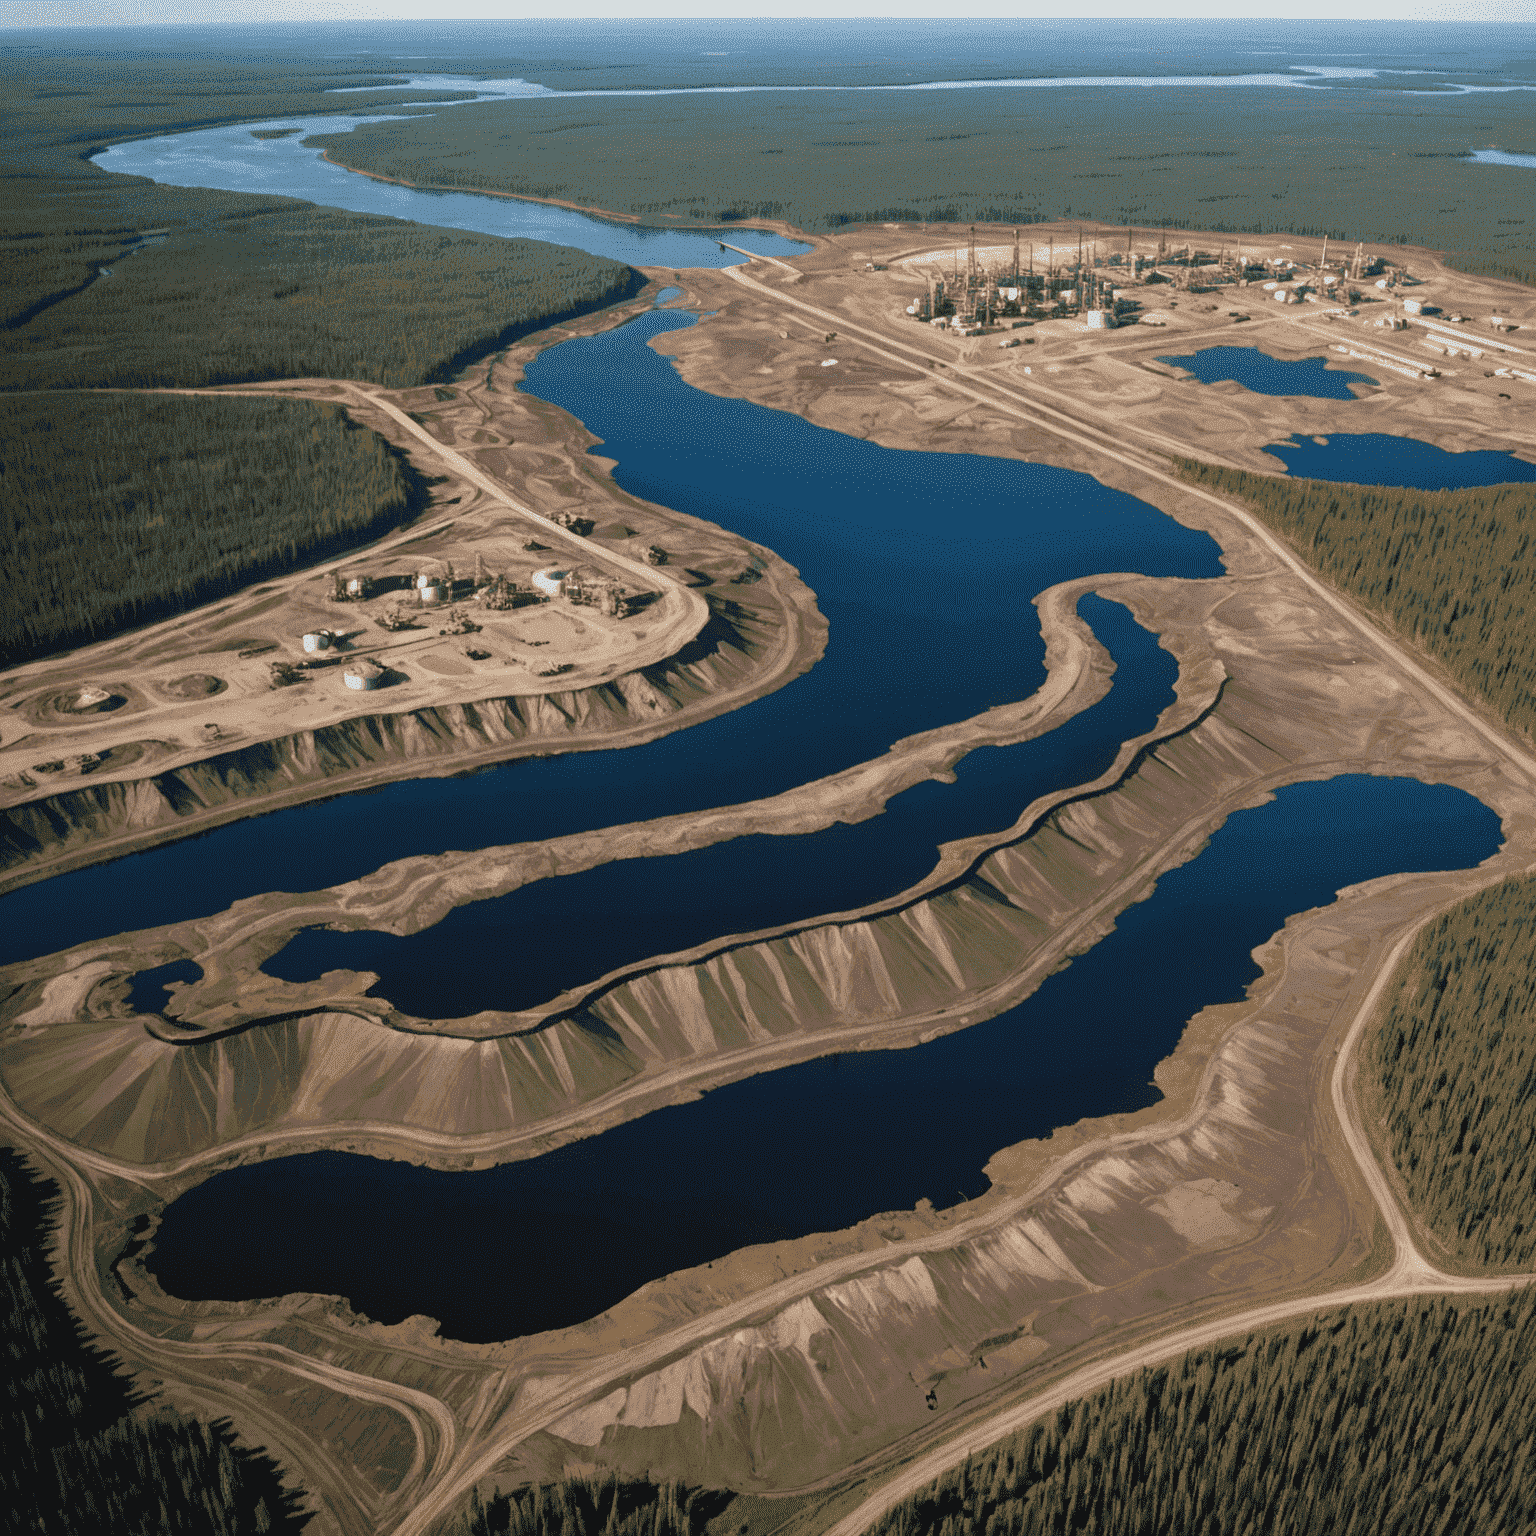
363, 674
317, 640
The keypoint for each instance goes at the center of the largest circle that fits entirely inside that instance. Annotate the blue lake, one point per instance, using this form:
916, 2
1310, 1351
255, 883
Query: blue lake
523, 948
1377, 458
1265, 375
229, 159
516, 1249
881, 535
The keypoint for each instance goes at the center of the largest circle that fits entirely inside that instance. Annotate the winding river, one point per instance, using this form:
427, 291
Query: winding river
883, 536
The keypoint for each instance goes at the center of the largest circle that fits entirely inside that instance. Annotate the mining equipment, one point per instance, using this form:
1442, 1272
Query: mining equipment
396, 619
319, 640
460, 623
655, 555
350, 589
502, 594
285, 674
600, 593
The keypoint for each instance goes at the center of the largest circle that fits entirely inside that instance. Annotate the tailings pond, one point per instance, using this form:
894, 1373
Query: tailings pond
888, 540
1265, 375
557, 1239
1377, 458
522, 949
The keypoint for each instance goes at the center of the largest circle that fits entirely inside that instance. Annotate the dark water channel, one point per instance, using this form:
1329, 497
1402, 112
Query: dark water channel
1265, 375
924, 565
555, 1240
521, 949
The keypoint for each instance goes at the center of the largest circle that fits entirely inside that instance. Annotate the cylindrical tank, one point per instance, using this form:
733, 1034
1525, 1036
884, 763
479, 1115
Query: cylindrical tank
430, 596
363, 674
317, 640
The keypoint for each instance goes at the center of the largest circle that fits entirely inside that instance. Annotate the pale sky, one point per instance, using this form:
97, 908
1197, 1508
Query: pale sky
98, 13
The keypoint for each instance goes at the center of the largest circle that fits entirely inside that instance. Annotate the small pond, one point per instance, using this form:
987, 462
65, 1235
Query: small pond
1377, 458
1265, 375
150, 990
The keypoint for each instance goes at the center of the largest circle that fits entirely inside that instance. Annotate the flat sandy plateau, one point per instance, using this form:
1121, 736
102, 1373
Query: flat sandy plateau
812, 1368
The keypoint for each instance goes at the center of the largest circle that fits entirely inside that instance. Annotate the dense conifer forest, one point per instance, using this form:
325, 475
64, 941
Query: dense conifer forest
112, 279
1406, 1418
116, 512
1203, 160
1453, 1076
1451, 570
120, 508
597, 1506
81, 1452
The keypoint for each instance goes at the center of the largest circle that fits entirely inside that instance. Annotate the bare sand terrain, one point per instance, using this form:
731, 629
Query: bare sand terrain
812, 1370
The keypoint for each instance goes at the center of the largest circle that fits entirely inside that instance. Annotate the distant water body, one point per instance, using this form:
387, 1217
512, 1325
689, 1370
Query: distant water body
1504, 157
233, 160
1297, 77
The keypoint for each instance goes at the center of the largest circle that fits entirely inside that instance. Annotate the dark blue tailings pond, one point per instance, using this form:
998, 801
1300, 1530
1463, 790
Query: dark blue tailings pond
523, 948
149, 992
1265, 375
555, 1240
924, 564
1376, 458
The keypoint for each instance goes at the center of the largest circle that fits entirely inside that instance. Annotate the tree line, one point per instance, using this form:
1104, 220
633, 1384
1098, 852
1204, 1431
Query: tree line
1451, 570
1453, 1067
1407, 1418
605, 1505
117, 509
82, 1451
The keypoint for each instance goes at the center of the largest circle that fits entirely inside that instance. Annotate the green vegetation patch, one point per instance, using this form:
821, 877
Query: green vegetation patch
1398, 1419
120, 509
300, 293
1454, 1072
1308, 162
82, 1451
1451, 570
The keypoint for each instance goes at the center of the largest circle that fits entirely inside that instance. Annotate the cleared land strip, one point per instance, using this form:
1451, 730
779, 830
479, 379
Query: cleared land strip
1100, 441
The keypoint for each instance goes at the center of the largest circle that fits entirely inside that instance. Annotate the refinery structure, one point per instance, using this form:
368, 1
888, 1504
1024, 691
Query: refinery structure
974, 288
